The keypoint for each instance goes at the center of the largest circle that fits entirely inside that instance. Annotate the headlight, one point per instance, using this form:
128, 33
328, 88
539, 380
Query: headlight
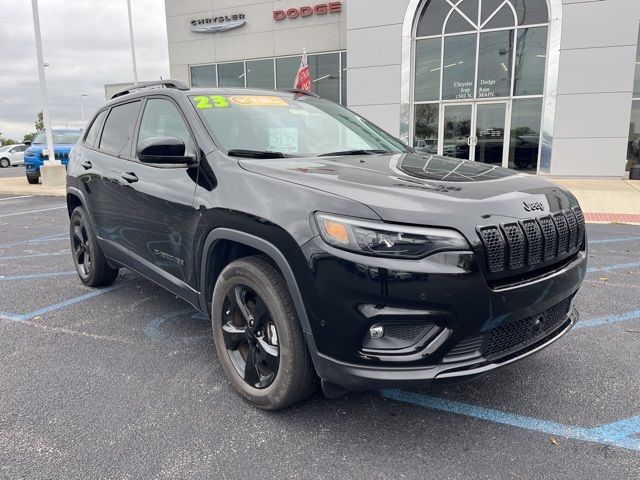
385, 240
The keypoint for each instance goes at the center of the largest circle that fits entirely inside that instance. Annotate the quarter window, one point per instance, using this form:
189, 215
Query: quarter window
118, 129
94, 130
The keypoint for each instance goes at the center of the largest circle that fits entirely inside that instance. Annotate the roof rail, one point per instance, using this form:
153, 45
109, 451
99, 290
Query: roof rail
301, 92
177, 84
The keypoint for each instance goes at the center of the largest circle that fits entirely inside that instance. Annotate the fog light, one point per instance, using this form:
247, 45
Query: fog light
376, 331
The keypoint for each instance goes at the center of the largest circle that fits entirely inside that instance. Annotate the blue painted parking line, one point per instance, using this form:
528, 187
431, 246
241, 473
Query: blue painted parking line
34, 255
620, 317
21, 317
48, 238
152, 329
613, 240
8, 278
617, 434
39, 210
608, 268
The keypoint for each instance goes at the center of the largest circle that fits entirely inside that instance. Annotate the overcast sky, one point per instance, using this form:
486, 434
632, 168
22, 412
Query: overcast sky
87, 44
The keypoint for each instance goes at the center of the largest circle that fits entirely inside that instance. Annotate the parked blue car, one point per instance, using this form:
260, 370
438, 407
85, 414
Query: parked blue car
63, 141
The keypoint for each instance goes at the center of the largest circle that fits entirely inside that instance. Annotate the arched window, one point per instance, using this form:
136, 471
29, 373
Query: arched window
469, 56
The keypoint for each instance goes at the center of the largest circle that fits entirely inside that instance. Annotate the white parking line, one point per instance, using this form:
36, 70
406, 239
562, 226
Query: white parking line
32, 211
13, 198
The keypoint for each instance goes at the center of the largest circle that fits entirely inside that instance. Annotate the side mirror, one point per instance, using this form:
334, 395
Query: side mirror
164, 150
28, 143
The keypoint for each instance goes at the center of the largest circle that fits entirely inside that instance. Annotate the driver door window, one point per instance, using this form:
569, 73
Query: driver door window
161, 118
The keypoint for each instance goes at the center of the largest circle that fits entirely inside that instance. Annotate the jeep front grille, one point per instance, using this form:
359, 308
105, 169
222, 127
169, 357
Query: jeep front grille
515, 245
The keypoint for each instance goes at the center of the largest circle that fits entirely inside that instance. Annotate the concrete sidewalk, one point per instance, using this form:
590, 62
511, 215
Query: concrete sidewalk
19, 186
603, 201
606, 200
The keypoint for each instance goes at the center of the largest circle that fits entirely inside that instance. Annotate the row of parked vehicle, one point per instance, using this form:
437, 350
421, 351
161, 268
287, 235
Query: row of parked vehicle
32, 155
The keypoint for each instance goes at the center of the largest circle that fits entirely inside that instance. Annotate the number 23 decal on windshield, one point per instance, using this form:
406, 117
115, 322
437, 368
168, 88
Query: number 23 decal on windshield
214, 101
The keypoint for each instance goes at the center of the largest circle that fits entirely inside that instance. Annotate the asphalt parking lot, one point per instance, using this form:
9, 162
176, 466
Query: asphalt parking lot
123, 382
17, 171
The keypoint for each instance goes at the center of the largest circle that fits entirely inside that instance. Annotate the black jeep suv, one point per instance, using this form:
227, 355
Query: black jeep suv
319, 245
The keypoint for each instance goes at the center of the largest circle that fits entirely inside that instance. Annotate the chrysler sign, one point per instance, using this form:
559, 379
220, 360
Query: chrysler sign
218, 24
319, 9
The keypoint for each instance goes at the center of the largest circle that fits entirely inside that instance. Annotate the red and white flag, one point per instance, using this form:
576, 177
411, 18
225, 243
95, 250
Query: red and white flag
303, 77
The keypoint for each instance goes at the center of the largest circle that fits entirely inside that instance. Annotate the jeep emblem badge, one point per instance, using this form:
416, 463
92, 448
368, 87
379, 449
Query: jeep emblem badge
532, 206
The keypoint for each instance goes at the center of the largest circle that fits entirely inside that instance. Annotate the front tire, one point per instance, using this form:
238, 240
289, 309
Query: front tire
258, 336
88, 258
32, 179
4, 163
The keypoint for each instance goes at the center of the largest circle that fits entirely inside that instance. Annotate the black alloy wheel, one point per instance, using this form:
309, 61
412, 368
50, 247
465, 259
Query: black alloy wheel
250, 336
91, 264
81, 247
258, 336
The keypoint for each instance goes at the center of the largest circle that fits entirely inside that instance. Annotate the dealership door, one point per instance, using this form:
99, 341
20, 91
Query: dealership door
475, 131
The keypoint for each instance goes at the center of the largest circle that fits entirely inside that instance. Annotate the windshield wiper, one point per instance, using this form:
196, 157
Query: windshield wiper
356, 151
238, 152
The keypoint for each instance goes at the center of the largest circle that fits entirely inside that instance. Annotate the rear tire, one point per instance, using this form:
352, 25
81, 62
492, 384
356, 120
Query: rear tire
32, 179
4, 163
258, 336
88, 258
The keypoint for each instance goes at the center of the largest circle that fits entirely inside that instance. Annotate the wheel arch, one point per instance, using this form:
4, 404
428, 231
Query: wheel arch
212, 266
75, 198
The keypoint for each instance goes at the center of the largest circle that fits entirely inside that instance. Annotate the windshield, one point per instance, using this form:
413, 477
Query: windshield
301, 126
58, 138
5, 148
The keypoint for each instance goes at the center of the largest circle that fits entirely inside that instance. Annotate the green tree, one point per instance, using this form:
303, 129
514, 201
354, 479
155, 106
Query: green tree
39, 121
6, 141
28, 137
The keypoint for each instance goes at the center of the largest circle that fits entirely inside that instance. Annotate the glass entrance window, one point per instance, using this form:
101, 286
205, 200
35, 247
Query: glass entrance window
633, 145
524, 144
231, 74
489, 141
325, 75
260, 74
459, 67
494, 64
476, 52
457, 130
426, 127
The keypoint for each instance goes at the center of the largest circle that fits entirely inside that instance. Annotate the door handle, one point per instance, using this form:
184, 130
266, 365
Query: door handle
129, 177
86, 164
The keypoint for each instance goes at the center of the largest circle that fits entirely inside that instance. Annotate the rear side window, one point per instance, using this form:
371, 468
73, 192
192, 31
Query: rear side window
118, 129
94, 130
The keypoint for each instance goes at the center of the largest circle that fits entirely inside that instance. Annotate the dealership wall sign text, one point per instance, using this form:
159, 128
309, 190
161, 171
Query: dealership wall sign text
218, 24
319, 9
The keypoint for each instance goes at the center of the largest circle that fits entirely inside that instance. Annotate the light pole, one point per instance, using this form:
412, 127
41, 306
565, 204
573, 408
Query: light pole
82, 95
53, 173
133, 48
43, 85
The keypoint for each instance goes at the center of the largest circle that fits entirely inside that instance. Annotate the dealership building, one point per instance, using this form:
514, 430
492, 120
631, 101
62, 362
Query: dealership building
546, 86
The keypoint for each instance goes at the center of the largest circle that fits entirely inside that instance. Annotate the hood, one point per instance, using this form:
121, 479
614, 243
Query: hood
423, 189
62, 148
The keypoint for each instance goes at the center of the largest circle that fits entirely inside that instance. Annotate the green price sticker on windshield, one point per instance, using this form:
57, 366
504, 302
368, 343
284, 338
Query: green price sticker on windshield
213, 101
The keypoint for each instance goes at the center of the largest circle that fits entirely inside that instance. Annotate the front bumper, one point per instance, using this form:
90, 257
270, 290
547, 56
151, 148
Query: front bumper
359, 377
478, 327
